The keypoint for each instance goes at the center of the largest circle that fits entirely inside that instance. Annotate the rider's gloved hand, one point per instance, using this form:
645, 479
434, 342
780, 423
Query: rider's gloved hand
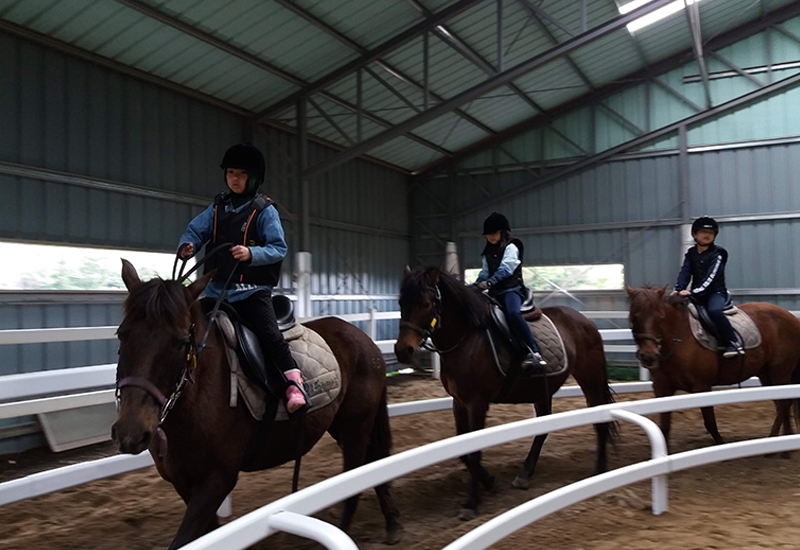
187, 249
483, 285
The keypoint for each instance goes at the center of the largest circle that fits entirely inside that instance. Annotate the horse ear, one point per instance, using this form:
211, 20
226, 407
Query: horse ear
197, 287
407, 271
129, 275
665, 289
630, 289
433, 276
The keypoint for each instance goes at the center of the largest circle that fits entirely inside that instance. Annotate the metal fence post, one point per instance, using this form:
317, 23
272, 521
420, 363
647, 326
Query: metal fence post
372, 328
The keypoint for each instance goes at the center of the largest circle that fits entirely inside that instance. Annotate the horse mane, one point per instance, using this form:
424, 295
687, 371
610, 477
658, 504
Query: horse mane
471, 304
157, 302
650, 296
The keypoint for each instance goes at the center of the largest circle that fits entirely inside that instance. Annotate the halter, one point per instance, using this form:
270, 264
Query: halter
192, 355
435, 324
657, 340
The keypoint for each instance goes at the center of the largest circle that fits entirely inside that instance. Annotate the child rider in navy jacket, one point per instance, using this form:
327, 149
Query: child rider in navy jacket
704, 266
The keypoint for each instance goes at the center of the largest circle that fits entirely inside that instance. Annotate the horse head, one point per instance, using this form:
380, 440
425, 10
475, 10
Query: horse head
647, 317
156, 342
420, 307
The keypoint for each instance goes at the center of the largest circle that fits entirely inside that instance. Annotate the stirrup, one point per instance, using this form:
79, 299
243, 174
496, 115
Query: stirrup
302, 390
734, 350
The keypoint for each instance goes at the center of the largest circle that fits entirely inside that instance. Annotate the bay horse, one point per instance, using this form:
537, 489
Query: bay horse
676, 361
210, 442
459, 316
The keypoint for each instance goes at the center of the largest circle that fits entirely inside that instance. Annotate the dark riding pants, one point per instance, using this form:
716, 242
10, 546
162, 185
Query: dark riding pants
724, 329
512, 301
258, 313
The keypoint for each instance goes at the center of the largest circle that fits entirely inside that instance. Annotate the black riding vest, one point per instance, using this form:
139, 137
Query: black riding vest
239, 228
494, 257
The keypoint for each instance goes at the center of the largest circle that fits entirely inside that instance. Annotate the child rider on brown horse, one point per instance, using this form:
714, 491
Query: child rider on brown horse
501, 275
704, 266
243, 216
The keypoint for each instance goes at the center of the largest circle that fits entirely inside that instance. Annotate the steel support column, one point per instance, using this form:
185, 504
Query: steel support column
683, 173
302, 183
499, 36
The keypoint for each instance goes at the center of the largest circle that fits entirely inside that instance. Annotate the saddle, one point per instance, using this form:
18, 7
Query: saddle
544, 331
248, 350
252, 377
530, 312
705, 332
701, 313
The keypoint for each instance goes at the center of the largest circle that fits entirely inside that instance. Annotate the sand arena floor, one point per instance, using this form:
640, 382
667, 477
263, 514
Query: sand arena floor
749, 503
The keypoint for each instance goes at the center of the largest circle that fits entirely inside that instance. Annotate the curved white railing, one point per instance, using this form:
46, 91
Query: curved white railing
255, 526
515, 519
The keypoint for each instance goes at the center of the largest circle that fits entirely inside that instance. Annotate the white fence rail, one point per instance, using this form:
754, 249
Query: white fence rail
255, 526
77, 474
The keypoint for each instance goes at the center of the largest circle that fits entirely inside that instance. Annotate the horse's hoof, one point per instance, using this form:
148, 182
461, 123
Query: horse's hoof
394, 535
521, 482
467, 514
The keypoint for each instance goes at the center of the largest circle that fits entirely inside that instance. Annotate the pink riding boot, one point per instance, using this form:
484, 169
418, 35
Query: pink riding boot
294, 397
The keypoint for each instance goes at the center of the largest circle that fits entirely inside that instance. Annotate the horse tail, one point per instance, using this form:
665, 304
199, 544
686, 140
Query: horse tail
380, 440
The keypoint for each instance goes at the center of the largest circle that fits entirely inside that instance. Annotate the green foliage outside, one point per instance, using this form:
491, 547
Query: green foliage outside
615, 372
89, 274
51, 267
568, 277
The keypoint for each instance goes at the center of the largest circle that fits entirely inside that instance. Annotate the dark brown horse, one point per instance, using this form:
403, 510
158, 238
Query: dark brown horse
469, 372
210, 442
676, 361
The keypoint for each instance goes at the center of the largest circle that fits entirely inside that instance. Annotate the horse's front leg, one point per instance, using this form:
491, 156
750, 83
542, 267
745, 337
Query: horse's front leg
470, 418
661, 389
202, 501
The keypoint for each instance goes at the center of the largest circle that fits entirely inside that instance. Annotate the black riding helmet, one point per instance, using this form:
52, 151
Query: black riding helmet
705, 222
245, 156
494, 223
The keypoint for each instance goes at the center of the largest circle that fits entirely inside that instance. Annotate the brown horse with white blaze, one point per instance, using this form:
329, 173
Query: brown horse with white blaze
676, 361
211, 442
459, 318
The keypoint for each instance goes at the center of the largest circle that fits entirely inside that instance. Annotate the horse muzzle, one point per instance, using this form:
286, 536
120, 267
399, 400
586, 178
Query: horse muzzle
131, 439
648, 361
404, 352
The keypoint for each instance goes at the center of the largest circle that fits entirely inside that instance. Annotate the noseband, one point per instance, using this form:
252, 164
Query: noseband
657, 340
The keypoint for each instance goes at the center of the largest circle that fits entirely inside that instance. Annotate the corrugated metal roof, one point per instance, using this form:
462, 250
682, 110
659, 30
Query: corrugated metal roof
405, 152
276, 35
